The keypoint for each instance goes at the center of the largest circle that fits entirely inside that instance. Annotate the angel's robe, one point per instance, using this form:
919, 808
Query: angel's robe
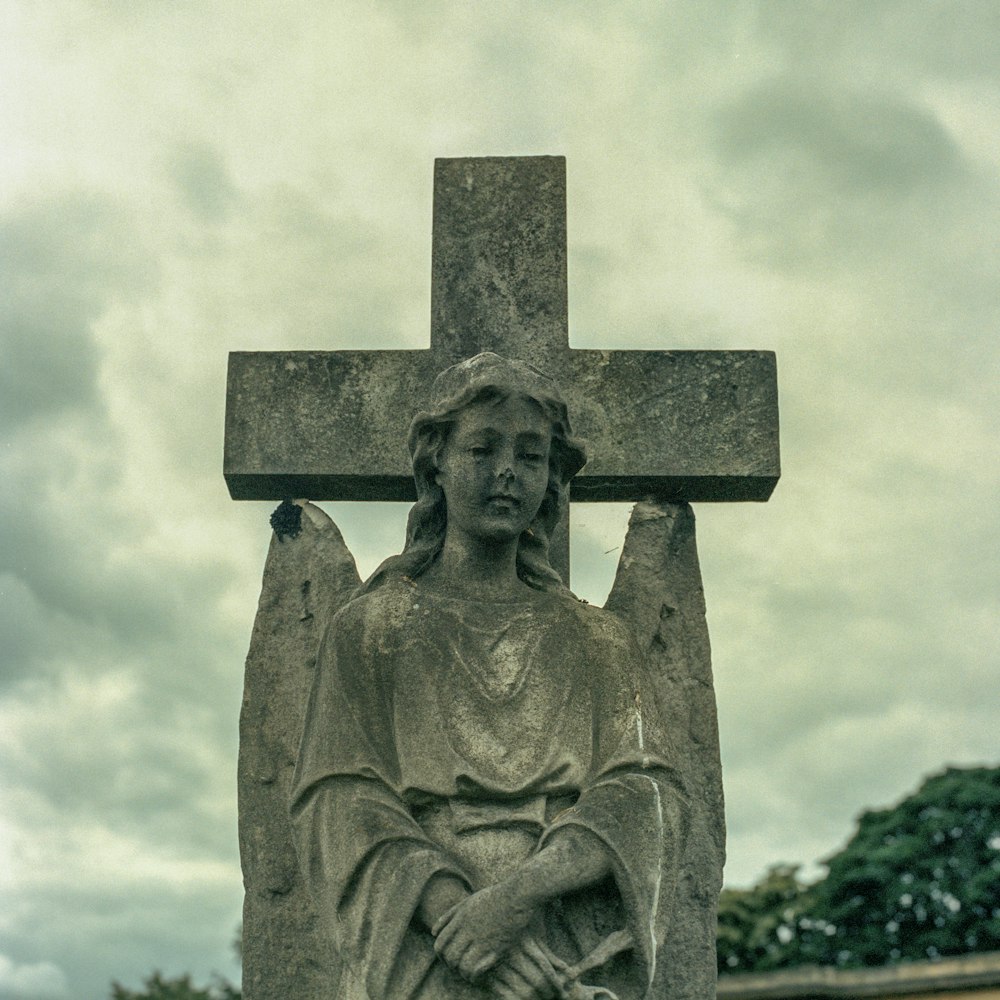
450, 736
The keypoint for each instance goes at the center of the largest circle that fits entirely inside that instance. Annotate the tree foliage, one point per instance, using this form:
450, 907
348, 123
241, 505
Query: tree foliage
158, 988
756, 924
918, 880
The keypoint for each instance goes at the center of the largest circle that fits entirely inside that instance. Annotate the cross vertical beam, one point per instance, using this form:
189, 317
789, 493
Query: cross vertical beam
498, 267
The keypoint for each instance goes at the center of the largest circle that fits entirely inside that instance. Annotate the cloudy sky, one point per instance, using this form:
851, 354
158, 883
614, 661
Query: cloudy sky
178, 180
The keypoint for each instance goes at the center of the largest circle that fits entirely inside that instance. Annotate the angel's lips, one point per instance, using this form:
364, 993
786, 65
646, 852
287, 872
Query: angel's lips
504, 500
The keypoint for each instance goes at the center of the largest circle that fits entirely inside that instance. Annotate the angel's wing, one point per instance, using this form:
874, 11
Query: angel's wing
309, 574
658, 590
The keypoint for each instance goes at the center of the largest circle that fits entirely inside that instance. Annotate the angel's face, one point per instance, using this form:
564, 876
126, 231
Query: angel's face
494, 468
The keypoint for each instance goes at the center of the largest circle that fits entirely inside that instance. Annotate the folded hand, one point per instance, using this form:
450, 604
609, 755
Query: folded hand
473, 936
526, 973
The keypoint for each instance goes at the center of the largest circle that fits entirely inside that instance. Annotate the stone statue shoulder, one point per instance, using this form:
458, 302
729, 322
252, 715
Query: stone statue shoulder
607, 630
376, 615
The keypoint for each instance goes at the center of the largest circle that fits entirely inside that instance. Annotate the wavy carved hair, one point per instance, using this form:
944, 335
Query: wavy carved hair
429, 433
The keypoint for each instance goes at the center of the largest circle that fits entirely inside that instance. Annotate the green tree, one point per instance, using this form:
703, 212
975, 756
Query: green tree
158, 988
918, 880
757, 924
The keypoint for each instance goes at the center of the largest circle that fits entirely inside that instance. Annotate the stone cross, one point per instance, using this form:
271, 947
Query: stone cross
669, 425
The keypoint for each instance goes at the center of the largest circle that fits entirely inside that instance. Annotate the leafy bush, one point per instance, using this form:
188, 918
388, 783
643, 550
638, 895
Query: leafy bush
918, 880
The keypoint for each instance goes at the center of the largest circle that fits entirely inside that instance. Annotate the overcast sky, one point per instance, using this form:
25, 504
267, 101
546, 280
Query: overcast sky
181, 179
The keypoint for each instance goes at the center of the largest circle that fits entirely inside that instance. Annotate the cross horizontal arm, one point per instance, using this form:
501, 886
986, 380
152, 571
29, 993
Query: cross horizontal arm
671, 425
324, 425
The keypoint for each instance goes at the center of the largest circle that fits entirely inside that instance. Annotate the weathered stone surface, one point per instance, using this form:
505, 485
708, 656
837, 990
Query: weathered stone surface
675, 425
498, 273
658, 590
306, 578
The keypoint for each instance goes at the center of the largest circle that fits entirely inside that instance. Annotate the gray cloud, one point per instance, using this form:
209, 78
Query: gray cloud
819, 175
890, 37
61, 258
35, 981
858, 144
204, 182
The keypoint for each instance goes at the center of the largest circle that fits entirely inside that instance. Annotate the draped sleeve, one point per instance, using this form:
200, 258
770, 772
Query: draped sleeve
365, 859
633, 800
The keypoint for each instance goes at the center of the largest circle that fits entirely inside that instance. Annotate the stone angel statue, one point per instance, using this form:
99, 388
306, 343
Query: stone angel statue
493, 789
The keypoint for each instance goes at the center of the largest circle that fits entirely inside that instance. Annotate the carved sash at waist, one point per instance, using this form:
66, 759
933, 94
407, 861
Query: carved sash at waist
490, 839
